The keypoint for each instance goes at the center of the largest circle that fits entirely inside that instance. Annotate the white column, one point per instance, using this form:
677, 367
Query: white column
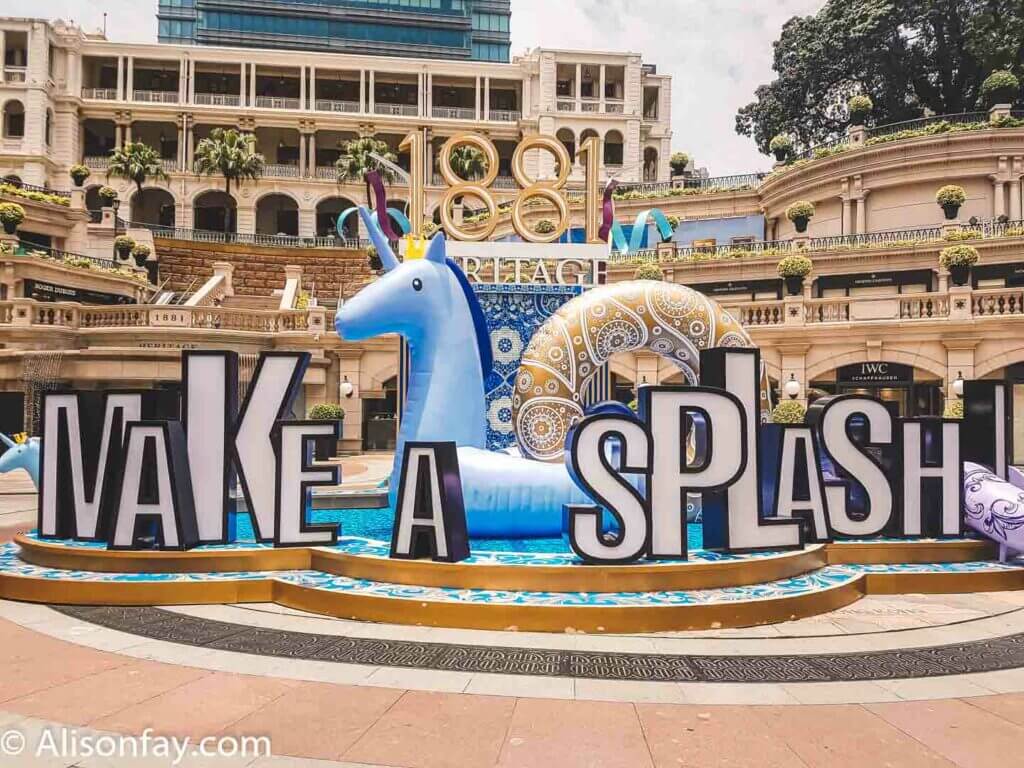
362, 90
487, 98
1015, 212
130, 87
252, 85
181, 144
302, 155
3, 53
191, 82
128, 133
312, 155
312, 87
302, 87
476, 98
373, 101
120, 77
847, 209
181, 83
600, 93
117, 135
420, 95
430, 94
998, 198
579, 85
862, 211
242, 82
190, 146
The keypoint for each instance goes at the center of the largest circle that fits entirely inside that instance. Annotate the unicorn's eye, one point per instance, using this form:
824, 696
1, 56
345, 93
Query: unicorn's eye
417, 284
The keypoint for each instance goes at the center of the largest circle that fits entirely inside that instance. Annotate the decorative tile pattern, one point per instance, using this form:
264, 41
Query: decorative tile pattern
959, 658
514, 313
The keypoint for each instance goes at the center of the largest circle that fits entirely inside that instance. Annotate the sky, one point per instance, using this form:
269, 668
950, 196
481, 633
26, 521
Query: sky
717, 51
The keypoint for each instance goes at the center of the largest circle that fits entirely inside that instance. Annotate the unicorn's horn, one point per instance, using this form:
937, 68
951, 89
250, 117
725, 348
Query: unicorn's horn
7, 441
387, 256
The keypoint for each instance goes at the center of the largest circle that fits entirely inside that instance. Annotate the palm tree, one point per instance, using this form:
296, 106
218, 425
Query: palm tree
231, 154
137, 162
468, 162
356, 161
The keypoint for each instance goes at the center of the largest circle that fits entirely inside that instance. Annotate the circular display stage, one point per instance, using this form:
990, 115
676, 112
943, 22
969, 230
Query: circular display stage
529, 591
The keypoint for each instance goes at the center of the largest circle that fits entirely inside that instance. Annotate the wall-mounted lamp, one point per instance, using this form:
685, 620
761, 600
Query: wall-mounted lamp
958, 384
346, 388
792, 387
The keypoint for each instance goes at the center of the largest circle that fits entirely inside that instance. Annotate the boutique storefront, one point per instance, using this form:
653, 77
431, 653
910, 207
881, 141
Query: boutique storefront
906, 391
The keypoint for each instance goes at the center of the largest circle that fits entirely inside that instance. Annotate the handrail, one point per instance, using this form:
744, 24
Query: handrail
32, 249
36, 188
246, 238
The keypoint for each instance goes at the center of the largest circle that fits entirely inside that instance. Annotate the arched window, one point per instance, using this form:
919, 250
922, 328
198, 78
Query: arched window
650, 164
568, 139
14, 120
613, 148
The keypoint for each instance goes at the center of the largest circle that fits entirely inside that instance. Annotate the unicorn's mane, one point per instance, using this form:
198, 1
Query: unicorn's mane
483, 337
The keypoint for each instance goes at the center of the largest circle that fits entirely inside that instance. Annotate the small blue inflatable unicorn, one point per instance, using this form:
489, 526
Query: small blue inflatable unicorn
22, 453
430, 303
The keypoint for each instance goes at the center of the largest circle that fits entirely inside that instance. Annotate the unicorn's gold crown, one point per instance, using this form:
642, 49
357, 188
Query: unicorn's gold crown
415, 247
21, 438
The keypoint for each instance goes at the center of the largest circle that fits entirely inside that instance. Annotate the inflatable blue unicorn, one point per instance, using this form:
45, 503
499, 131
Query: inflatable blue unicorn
22, 453
430, 303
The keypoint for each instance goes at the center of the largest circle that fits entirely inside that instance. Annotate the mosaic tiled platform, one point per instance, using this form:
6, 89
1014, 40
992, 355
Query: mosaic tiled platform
611, 601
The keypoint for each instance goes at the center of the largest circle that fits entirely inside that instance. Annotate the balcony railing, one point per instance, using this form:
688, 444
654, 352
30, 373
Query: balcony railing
505, 115
156, 97
100, 94
997, 301
500, 182
285, 241
169, 164
408, 110
614, 107
281, 170
15, 74
590, 106
329, 105
217, 99
277, 102
36, 188
565, 105
327, 172
454, 113
96, 162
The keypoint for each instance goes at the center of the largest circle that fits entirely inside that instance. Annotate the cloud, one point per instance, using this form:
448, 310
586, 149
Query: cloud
717, 51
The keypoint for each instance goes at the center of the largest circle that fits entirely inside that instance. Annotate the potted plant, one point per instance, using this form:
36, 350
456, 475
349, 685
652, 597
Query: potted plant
11, 215
800, 214
648, 271
781, 145
959, 259
860, 107
1001, 87
678, 163
325, 446
141, 252
376, 265
108, 195
793, 269
788, 412
79, 173
950, 198
124, 244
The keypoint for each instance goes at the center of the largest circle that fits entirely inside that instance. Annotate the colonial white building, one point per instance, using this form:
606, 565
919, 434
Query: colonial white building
68, 96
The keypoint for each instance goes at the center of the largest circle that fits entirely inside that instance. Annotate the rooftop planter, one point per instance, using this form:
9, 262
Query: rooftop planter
800, 214
959, 259
11, 216
1001, 87
950, 198
860, 107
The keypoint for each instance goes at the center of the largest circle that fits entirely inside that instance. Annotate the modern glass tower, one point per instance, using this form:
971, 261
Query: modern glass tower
441, 29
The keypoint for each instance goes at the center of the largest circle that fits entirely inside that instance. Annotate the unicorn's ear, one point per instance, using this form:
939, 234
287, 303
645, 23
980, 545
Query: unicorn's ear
387, 256
7, 441
436, 251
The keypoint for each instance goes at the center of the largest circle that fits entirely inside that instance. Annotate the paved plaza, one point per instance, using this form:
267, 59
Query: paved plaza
113, 671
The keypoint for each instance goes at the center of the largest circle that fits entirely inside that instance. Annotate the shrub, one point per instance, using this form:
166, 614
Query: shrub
795, 265
801, 209
79, 173
958, 256
37, 197
107, 194
961, 234
141, 249
788, 412
11, 214
648, 271
327, 412
1014, 232
954, 409
79, 262
429, 228
781, 142
1001, 85
122, 242
678, 162
951, 194
544, 227
860, 105
6, 248
673, 221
